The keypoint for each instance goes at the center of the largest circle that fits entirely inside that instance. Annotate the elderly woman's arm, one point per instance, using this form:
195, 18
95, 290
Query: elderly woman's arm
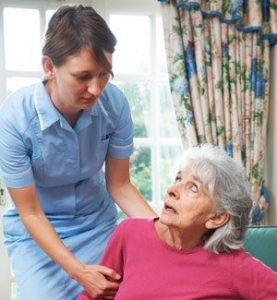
122, 191
252, 278
113, 256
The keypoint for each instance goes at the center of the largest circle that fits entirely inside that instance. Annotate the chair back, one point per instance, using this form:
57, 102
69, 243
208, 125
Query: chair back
261, 242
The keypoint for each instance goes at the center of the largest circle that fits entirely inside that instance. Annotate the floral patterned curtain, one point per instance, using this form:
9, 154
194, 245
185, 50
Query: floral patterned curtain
218, 55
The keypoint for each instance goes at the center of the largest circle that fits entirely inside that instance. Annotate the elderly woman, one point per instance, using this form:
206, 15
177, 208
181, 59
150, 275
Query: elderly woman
194, 250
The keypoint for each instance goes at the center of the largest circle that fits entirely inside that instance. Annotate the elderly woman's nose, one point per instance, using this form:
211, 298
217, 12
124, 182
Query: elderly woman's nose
172, 191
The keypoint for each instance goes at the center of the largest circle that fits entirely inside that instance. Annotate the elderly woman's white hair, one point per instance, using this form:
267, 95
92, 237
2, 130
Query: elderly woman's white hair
225, 182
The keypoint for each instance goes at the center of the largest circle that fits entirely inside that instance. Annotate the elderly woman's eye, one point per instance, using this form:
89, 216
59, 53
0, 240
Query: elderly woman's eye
177, 179
194, 188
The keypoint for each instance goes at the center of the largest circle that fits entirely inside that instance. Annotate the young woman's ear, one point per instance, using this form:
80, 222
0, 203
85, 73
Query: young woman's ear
217, 220
48, 67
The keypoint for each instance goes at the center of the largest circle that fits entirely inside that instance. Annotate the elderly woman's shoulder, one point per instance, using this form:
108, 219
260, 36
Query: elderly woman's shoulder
135, 223
241, 260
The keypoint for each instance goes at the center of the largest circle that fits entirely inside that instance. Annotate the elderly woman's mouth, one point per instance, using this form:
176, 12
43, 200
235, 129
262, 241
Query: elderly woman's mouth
169, 209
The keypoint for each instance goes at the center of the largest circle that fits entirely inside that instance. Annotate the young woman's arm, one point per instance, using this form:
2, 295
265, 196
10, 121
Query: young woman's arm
92, 277
123, 191
113, 256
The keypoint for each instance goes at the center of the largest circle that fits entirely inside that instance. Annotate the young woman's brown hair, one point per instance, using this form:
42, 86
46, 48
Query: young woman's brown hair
73, 28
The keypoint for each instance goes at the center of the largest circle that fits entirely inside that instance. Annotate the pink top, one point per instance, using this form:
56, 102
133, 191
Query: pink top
153, 270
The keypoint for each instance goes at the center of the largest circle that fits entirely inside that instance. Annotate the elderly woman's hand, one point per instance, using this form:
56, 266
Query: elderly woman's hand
99, 281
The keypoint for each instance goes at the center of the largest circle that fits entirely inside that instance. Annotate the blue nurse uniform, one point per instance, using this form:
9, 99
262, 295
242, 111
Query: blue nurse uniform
38, 146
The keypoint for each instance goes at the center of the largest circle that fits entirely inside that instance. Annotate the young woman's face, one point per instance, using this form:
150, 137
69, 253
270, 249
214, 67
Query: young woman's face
78, 83
187, 203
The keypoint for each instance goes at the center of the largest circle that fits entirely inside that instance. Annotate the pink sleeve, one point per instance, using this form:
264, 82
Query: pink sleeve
112, 257
84, 296
113, 254
253, 279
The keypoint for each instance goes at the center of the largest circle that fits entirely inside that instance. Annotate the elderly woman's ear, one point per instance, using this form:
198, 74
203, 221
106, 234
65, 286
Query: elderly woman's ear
217, 220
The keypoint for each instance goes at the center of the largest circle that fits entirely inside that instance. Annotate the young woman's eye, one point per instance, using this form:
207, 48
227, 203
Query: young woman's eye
84, 77
105, 75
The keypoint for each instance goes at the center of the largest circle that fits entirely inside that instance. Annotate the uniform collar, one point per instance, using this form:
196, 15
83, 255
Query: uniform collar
46, 111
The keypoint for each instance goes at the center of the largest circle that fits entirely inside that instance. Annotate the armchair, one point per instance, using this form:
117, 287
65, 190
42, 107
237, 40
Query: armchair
261, 242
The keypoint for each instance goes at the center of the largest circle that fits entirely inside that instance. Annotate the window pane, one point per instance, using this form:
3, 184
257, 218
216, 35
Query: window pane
168, 124
138, 95
22, 39
132, 53
169, 160
14, 83
141, 171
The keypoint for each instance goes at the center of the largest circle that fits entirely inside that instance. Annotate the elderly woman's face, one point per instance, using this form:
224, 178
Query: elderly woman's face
187, 203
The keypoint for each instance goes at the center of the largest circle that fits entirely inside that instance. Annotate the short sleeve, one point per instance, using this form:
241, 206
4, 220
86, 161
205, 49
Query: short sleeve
15, 165
121, 141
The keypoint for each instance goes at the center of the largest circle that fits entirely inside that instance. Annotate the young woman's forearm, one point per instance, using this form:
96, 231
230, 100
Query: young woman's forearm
45, 236
131, 202
123, 191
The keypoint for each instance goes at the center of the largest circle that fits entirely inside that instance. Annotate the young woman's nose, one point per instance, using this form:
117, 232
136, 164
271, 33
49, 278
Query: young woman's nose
95, 87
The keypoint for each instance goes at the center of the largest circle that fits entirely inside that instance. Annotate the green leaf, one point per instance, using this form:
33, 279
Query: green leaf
220, 130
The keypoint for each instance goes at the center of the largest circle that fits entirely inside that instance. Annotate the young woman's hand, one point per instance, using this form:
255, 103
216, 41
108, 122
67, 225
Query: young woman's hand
98, 281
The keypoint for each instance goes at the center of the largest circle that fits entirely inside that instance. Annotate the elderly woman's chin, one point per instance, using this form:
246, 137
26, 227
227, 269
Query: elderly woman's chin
168, 216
